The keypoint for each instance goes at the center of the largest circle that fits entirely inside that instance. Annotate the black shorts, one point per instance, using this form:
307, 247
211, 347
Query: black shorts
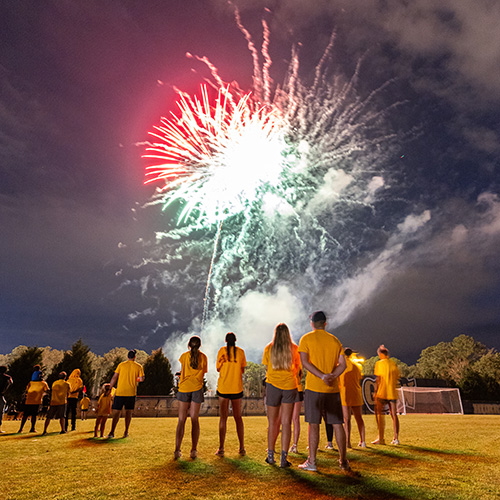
187, 397
300, 397
276, 396
384, 402
123, 401
326, 405
56, 411
31, 410
230, 396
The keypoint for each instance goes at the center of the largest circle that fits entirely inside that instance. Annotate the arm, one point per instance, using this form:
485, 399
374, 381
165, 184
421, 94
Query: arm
327, 378
114, 378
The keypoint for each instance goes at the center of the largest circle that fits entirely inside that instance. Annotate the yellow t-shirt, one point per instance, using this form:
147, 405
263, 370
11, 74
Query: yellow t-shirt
192, 380
75, 383
128, 373
350, 388
104, 405
60, 392
388, 376
323, 350
282, 379
35, 392
84, 403
230, 371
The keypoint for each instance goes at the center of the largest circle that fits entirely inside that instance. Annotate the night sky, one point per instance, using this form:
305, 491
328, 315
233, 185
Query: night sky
82, 82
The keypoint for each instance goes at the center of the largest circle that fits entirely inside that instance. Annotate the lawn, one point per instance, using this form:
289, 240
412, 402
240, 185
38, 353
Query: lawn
441, 457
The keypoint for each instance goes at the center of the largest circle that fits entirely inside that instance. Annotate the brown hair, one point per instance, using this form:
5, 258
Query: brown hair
281, 348
231, 342
194, 345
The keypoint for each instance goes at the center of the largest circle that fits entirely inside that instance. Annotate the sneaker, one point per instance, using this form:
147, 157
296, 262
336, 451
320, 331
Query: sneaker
220, 453
308, 466
270, 461
177, 454
125, 435
362, 444
62, 432
285, 464
329, 446
346, 469
395, 441
111, 435
242, 452
293, 449
378, 441
193, 454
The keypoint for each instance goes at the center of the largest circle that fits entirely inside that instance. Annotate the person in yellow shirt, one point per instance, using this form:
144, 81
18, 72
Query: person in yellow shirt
231, 363
352, 398
58, 401
322, 356
103, 409
34, 395
126, 377
76, 384
386, 393
282, 360
194, 365
84, 406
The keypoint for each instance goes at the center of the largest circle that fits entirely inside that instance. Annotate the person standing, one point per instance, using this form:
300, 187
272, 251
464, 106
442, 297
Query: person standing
194, 365
103, 409
297, 407
322, 356
34, 395
126, 377
84, 406
352, 398
5, 383
76, 385
282, 360
386, 393
231, 363
58, 401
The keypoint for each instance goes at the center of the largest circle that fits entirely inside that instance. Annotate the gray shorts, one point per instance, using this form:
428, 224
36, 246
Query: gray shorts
326, 405
56, 411
275, 396
187, 397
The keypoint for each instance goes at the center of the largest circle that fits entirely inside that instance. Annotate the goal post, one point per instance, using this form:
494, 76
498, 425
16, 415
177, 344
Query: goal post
429, 400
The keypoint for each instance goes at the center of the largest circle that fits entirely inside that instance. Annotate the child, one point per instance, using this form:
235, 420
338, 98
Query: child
190, 394
103, 409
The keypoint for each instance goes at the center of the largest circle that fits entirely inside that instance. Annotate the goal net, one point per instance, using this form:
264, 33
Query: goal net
429, 400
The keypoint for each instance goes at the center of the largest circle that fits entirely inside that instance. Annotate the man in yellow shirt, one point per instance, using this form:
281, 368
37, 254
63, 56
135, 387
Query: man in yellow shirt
58, 401
34, 395
126, 377
322, 356
84, 406
386, 393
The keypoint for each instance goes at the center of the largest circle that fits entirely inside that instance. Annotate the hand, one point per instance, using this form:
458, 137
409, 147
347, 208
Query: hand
328, 379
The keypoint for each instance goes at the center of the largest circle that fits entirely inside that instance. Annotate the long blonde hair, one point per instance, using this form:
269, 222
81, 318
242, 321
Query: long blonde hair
281, 348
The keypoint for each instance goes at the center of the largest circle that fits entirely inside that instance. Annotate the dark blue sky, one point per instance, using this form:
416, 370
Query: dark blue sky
83, 82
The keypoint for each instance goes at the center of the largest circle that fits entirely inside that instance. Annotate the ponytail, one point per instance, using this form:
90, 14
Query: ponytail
231, 342
194, 344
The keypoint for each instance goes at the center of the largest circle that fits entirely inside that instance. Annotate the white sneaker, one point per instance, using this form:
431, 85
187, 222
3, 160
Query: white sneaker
111, 435
362, 444
395, 441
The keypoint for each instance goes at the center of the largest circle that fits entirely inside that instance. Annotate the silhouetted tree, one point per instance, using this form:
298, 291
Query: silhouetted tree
78, 357
21, 370
158, 380
252, 379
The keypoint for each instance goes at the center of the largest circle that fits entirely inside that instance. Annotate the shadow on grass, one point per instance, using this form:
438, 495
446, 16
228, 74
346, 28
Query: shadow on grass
437, 451
92, 442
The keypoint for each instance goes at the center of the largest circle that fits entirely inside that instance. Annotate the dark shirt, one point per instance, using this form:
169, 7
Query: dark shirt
5, 381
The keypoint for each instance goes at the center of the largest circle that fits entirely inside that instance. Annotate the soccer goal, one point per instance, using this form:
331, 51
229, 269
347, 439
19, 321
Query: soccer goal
429, 400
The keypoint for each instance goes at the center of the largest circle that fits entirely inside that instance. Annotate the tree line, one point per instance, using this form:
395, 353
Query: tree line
464, 363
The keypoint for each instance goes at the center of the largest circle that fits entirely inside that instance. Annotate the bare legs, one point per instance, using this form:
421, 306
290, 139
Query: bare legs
224, 414
356, 411
100, 423
379, 415
395, 421
297, 406
194, 410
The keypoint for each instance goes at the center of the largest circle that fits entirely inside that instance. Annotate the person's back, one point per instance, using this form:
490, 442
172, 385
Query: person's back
128, 373
388, 372
230, 371
35, 391
60, 392
350, 388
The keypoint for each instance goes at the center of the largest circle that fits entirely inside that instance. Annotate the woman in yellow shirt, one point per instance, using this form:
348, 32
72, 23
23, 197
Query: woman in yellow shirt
282, 360
190, 394
231, 363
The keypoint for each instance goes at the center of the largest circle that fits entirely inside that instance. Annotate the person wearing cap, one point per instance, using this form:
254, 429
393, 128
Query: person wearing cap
352, 398
126, 377
322, 356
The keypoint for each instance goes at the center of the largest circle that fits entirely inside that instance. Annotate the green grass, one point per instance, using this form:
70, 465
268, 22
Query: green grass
441, 457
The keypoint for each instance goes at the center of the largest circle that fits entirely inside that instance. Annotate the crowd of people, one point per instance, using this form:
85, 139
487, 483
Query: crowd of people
332, 394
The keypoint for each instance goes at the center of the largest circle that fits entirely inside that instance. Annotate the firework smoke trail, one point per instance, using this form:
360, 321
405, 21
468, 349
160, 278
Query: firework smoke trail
294, 227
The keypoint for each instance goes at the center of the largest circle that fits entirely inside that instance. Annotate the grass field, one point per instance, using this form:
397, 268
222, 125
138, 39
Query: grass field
441, 457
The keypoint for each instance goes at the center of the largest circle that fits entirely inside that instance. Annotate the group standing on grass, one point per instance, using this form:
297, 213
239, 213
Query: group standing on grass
332, 394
